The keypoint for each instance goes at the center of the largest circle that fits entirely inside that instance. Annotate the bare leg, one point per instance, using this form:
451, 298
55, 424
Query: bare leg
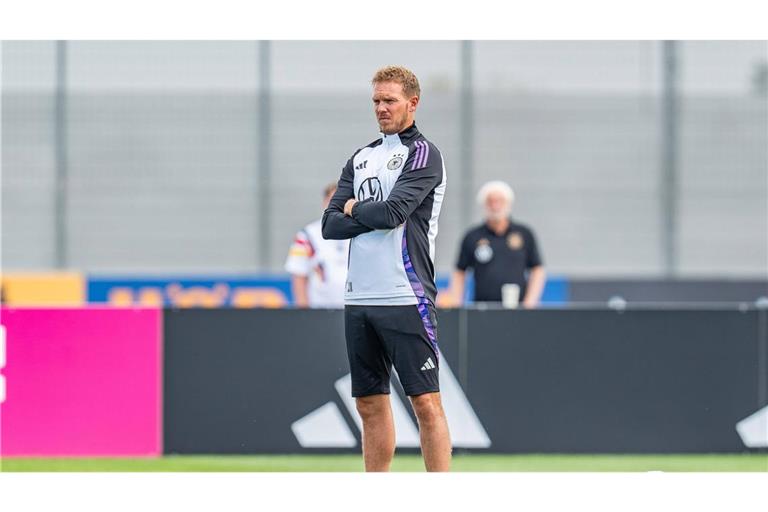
378, 431
433, 430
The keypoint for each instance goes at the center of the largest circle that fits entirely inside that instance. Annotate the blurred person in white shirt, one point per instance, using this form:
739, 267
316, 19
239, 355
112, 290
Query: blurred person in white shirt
318, 267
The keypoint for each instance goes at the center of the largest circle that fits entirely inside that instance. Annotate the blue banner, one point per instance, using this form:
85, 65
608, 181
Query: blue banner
191, 291
242, 291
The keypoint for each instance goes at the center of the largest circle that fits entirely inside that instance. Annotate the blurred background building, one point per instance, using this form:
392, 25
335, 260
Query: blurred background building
630, 158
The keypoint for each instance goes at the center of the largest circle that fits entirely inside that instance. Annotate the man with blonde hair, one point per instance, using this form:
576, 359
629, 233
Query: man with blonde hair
388, 202
500, 252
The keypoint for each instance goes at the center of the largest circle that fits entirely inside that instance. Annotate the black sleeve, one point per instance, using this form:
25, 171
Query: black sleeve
425, 172
336, 225
532, 258
466, 255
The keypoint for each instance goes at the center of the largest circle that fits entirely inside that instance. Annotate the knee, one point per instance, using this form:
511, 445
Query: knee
370, 407
428, 409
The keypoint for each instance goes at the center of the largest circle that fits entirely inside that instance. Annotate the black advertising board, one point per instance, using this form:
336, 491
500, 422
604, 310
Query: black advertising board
544, 381
614, 382
238, 381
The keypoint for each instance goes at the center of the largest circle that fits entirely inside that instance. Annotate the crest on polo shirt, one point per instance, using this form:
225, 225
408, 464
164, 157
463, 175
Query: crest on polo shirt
395, 162
515, 241
483, 251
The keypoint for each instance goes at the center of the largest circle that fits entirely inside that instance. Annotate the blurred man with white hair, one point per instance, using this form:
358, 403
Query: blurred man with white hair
502, 254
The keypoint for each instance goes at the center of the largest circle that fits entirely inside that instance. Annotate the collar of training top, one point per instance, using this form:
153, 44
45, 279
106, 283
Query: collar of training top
404, 137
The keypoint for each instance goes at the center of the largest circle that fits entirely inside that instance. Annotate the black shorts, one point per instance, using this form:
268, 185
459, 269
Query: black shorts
380, 336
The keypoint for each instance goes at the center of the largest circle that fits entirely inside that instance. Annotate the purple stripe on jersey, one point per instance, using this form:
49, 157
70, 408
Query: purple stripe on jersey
424, 155
417, 155
421, 297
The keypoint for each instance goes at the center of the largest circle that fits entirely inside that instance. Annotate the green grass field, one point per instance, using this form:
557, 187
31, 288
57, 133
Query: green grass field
755, 462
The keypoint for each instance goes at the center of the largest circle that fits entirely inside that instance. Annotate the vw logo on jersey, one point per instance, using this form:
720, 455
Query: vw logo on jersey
483, 253
370, 188
395, 162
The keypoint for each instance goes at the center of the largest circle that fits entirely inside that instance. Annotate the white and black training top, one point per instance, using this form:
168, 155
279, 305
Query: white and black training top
399, 181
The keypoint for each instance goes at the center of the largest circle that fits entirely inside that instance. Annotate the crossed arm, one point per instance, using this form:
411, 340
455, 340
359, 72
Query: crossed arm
346, 217
337, 225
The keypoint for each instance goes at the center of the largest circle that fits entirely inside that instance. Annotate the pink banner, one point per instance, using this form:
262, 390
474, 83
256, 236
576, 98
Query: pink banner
82, 382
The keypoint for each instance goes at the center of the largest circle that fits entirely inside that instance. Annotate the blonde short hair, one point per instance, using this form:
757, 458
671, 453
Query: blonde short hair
400, 75
496, 186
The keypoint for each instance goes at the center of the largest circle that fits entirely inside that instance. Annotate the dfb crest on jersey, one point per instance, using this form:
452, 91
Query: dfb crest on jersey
370, 188
395, 162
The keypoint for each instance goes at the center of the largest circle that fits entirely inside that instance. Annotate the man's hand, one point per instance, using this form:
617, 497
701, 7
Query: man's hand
348, 206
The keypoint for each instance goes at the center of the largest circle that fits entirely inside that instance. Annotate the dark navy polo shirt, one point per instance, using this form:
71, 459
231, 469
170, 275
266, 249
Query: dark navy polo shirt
498, 259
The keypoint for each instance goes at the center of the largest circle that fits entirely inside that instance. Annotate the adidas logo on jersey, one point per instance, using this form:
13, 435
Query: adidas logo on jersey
361, 166
429, 365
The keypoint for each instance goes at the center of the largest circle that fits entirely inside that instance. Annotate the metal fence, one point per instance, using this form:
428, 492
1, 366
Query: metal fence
634, 158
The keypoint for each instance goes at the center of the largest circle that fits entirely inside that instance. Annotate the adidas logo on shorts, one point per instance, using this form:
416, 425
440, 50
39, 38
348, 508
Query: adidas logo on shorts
326, 426
429, 365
